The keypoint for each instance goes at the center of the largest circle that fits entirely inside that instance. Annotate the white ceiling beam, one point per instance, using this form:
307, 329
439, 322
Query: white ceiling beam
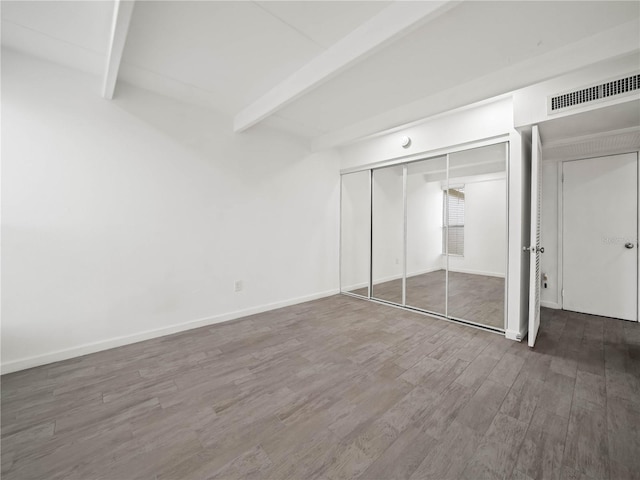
617, 42
388, 25
122, 12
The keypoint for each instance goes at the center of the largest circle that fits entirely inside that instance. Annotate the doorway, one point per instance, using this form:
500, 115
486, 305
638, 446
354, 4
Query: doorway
562, 144
600, 236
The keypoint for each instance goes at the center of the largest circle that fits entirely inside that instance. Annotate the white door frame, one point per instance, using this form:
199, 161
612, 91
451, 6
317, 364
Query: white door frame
560, 227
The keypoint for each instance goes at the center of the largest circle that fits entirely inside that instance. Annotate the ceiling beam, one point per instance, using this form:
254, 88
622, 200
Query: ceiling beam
619, 42
122, 12
388, 25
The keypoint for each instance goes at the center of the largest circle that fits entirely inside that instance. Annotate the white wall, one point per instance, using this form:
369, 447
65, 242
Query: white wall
388, 224
529, 103
355, 234
485, 228
549, 235
470, 124
485, 248
424, 225
131, 218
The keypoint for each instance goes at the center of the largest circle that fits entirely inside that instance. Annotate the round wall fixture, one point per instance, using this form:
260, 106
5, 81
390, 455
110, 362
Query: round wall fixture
405, 142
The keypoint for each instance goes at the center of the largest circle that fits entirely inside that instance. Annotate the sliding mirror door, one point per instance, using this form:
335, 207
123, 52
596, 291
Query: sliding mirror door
387, 241
430, 235
355, 233
426, 264
475, 235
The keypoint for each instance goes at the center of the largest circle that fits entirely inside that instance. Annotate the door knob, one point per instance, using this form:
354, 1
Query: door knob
628, 245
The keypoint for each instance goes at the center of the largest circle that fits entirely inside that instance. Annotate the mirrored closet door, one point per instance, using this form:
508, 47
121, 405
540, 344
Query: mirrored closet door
476, 203
430, 235
426, 265
387, 238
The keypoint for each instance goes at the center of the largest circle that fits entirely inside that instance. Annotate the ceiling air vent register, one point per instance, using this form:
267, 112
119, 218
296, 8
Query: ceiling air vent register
599, 92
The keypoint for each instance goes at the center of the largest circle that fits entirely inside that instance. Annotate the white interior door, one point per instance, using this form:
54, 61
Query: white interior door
600, 236
535, 249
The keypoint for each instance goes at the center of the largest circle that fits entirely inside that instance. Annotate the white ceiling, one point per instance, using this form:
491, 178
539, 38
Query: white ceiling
467, 42
323, 22
74, 34
226, 55
233, 52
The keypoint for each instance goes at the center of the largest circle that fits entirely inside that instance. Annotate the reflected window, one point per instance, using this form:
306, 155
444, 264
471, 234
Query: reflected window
453, 226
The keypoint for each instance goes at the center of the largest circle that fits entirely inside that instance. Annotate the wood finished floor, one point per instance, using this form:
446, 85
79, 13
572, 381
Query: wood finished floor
336, 388
478, 298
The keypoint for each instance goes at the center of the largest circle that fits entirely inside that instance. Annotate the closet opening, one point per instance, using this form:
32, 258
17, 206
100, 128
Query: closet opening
430, 235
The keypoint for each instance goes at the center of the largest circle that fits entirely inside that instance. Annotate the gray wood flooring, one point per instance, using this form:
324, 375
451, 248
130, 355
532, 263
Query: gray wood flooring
478, 298
336, 388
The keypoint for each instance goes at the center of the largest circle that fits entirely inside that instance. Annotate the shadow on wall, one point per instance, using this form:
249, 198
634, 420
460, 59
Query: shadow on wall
210, 134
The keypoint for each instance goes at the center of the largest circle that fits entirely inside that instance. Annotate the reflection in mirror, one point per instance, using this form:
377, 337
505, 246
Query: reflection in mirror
388, 234
355, 217
426, 265
476, 215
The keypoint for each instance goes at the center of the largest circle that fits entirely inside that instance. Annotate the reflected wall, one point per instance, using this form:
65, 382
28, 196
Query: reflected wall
426, 265
387, 238
355, 224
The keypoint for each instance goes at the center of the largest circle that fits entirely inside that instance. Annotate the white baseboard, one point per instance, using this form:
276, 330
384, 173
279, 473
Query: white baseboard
409, 274
422, 272
378, 281
554, 305
356, 286
477, 272
93, 347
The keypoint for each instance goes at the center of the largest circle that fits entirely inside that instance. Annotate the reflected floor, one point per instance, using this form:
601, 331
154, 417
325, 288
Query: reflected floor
477, 298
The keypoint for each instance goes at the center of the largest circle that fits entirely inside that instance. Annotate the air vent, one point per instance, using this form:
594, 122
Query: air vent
594, 93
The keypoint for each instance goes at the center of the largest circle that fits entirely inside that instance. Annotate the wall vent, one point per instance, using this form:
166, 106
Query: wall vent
602, 91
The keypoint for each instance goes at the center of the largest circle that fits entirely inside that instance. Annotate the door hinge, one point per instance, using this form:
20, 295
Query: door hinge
562, 178
562, 293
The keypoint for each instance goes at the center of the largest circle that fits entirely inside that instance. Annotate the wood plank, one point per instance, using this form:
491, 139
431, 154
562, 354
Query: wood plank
586, 449
542, 450
480, 411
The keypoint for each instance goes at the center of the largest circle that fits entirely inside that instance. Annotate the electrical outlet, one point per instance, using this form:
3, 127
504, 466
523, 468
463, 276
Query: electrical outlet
397, 261
238, 285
